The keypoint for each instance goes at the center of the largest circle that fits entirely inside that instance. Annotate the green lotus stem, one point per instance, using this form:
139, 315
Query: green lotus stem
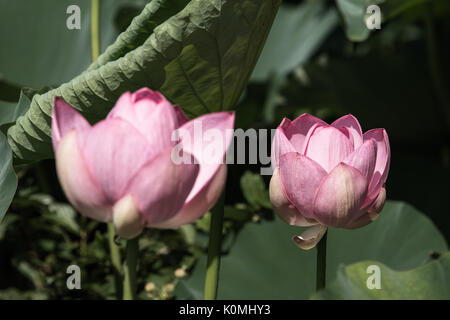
95, 34
115, 260
129, 269
321, 266
214, 248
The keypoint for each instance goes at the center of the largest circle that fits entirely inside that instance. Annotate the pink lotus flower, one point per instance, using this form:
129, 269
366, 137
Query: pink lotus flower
122, 169
328, 175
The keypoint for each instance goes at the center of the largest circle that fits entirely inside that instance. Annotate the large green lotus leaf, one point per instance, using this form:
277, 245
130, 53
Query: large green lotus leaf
8, 112
431, 281
155, 13
353, 14
296, 34
37, 47
8, 178
264, 263
200, 58
8, 91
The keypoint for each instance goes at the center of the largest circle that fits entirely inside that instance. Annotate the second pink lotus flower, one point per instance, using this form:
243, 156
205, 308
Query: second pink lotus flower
121, 169
328, 175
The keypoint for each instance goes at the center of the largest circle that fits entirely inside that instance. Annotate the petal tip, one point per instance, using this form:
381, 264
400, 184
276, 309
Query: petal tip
127, 219
310, 237
147, 93
284, 123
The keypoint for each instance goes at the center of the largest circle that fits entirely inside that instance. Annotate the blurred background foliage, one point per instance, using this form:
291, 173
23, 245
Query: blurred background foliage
319, 58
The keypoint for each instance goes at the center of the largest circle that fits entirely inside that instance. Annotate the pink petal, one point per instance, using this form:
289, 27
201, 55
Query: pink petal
298, 129
383, 160
340, 196
115, 151
280, 145
199, 204
352, 125
360, 221
364, 158
79, 186
310, 237
301, 178
123, 108
181, 117
377, 205
147, 94
291, 136
64, 119
282, 206
328, 146
372, 214
161, 187
207, 138
308, 136
151, 114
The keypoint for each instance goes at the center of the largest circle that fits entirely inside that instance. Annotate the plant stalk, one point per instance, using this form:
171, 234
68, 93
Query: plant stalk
95, 29
129, 269
321, 267
214, 248
115, 260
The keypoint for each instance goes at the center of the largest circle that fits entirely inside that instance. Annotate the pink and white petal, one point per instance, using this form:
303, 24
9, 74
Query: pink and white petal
127, 219
352, 125
181, 117
328, 147
198, 205
161, 187
301, 178
65, 119
383, 160
115, 151
280, 146
283, 207
79, 186
207, 138
310, 237
364, 158
340, 196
